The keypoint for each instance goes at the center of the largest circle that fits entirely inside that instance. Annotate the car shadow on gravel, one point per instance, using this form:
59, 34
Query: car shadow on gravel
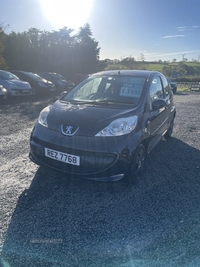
61, 221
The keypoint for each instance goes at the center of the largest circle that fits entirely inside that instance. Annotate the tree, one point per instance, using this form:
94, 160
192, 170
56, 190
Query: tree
57, 51
3, 64
167, 70
86, 50
182, 71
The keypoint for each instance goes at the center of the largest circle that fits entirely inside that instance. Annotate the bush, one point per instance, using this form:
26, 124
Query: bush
188, 79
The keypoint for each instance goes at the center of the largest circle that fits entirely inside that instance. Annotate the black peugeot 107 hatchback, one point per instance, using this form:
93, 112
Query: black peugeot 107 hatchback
104, 127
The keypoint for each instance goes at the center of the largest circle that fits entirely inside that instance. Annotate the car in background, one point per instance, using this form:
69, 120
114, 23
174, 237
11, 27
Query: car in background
103, 128
39, 85
3, 92
13, 85
172, 84
61, 83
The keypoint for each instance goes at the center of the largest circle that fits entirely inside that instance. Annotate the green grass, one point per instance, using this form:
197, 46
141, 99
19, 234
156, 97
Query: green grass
154, 67
182, 88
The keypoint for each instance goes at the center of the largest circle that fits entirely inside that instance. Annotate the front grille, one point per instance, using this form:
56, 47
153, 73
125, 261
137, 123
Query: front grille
90, 162
22, 91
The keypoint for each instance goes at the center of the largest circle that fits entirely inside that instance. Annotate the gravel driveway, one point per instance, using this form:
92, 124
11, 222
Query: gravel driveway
49, 219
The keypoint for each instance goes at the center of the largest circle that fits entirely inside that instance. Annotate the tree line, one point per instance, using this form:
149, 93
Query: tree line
70, 53
59, 51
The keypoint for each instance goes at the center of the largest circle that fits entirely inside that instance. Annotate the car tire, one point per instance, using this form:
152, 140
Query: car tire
169, 132
137, 165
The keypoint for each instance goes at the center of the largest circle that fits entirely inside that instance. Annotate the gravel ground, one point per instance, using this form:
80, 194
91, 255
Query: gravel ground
49, 219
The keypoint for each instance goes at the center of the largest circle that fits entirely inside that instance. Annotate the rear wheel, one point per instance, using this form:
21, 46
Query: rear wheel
137, 166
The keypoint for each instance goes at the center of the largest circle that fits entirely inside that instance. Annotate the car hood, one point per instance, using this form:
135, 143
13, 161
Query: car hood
16, 84
85, 119
47, 82
62, 81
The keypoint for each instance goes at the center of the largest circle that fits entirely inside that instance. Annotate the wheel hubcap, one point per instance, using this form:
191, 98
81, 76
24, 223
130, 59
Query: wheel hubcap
139, 163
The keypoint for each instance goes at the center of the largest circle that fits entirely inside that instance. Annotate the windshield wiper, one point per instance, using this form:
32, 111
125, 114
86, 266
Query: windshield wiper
98, 102
115, 101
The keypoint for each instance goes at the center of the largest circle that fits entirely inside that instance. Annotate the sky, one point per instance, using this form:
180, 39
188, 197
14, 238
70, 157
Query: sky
156, 29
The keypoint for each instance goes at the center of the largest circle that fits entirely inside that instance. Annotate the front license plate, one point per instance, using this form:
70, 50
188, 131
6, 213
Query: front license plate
26, 91
60, 156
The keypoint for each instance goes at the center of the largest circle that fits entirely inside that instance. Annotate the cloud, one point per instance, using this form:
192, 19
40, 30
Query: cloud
171, 54
187, 28
174, 36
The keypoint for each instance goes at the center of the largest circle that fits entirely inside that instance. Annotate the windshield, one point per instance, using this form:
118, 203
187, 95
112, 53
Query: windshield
5, 75
111, 89
57, 77
34, 76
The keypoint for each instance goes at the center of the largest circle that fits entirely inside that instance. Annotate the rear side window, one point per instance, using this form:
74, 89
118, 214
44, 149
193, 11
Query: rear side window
166, 87
155, 90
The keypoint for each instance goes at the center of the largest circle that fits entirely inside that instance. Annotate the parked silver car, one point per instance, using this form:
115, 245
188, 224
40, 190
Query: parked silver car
14, 85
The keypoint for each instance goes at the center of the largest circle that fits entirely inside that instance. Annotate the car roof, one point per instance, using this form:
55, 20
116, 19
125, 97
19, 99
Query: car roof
54, 73
144, 73
21, 71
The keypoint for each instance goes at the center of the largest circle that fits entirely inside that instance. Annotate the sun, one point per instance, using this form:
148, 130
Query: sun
67, 13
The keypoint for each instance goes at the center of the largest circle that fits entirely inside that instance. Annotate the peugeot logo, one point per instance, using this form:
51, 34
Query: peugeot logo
69, 129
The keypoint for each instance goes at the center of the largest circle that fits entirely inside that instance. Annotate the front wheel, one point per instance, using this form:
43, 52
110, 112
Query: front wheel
137, 165
169, 132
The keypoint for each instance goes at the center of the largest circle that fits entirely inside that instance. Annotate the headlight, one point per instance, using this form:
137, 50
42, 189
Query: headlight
3, 91
42, 84
119, 127
43, 116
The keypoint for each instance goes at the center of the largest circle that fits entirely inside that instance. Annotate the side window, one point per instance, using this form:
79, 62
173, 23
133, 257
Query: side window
166, 87
156, 90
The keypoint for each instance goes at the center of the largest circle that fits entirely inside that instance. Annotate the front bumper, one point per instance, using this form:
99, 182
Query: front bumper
100, 158
20, 92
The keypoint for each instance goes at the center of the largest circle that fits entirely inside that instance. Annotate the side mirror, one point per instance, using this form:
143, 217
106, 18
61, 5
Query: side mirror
158, 104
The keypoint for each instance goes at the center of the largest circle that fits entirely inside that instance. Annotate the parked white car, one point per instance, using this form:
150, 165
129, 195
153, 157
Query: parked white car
14, 85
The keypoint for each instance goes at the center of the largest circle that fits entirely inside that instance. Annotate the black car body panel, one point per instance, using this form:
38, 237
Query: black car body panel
75, 129
38, 84
61, 83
